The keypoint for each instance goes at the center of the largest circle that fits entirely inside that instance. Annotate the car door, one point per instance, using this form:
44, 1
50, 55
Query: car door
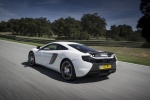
47, 53
56, 57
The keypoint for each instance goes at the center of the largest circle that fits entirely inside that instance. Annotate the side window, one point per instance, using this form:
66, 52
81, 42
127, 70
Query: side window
54, 47
60, 47
50, 47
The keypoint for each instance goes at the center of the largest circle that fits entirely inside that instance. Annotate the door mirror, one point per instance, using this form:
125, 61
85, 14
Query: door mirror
38, 47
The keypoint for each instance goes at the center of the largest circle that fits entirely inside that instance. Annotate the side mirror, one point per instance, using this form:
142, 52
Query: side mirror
38, 47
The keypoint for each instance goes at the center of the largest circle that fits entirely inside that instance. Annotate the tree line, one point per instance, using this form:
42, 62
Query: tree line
90, 26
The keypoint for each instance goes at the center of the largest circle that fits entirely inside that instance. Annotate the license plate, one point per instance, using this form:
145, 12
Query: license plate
105, 66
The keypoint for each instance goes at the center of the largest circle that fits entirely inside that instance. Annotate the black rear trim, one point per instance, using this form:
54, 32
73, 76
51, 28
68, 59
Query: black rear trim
96, 71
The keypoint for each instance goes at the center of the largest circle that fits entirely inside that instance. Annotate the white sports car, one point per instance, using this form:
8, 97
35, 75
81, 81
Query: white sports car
73, 59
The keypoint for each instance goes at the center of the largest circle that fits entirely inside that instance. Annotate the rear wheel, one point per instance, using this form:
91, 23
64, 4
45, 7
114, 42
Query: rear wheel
31, 59
67, 70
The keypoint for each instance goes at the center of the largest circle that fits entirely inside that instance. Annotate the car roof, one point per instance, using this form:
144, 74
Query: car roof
65, 43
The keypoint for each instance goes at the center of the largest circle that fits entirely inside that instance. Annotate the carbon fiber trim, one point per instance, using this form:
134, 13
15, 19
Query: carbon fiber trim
96, 71
54, 56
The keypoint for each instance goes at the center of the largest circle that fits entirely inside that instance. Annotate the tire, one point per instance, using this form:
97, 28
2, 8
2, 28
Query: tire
67, 70
31, 59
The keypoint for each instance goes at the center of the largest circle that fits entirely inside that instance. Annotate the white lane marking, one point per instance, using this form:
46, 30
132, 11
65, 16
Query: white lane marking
134, 64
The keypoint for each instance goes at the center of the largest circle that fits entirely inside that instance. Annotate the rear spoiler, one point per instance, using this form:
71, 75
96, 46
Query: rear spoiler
103, 55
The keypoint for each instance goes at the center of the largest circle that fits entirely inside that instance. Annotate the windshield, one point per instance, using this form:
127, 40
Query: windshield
82, 48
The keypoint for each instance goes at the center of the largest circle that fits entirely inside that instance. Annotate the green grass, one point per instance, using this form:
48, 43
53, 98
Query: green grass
132, 55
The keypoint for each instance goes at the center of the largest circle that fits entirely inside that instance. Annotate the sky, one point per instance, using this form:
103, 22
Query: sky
115, 12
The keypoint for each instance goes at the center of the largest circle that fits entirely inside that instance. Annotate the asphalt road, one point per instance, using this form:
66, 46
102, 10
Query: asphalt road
18, 81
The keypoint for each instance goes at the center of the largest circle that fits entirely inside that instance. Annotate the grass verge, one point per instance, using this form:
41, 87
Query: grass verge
132, 55
126, 54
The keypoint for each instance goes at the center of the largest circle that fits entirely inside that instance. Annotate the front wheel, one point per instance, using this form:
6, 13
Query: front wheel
67, 70
31, 59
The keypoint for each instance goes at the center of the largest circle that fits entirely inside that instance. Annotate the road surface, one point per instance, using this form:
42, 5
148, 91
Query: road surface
18, 81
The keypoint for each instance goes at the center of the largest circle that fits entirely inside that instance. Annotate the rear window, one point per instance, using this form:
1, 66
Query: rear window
82, 48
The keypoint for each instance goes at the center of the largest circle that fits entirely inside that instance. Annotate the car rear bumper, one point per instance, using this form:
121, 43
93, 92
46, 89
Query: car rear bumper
95, 69
84, 68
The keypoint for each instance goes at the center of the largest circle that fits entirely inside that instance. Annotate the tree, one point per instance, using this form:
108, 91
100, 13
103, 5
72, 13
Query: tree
120, 32
58, 27
3, 26
93, 24
114, 32
43, 27
125, 31
27, 27
68, 27
136, 36
13, 25
144, 22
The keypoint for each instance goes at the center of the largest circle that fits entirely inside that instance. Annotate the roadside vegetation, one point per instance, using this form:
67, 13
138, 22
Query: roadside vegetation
126, 54
90, 26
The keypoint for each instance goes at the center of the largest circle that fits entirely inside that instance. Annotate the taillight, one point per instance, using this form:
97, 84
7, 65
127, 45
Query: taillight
88, 58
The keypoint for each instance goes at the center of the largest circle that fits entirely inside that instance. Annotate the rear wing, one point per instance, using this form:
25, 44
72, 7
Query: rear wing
103, 55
